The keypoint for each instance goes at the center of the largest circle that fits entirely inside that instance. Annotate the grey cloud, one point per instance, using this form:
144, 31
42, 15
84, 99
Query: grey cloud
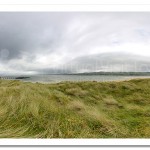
29, 32
41, 41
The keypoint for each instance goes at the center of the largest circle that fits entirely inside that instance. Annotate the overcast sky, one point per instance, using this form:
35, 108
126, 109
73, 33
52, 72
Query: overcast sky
33, 41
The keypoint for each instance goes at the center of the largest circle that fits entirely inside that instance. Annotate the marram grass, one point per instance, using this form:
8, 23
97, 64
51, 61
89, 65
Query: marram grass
75, 109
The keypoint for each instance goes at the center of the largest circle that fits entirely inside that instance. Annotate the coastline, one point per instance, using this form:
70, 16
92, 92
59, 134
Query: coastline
54, 81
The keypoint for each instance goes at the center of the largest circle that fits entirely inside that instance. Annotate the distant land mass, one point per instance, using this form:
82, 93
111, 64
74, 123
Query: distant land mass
116, 73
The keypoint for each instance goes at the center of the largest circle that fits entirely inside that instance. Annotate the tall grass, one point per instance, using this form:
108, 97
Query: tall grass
75, 109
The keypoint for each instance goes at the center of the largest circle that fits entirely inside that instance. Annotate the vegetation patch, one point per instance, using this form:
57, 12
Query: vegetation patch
75, 109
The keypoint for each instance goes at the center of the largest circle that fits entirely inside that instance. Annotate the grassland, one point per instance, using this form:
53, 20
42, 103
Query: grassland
75, 110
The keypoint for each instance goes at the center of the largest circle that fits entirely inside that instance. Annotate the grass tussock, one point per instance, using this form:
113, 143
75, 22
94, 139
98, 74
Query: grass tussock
75, 110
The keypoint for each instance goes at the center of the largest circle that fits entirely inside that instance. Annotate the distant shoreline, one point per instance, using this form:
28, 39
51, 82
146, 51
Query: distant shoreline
132, 78
115, 73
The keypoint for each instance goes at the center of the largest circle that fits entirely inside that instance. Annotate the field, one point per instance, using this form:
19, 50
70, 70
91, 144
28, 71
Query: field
75, 109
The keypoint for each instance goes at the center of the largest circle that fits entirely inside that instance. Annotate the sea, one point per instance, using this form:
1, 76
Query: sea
75, 78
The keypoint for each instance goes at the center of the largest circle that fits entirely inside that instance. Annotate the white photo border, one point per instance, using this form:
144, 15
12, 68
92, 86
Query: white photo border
74, 6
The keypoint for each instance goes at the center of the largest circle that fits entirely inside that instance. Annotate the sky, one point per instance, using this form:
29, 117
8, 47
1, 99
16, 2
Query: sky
36, 42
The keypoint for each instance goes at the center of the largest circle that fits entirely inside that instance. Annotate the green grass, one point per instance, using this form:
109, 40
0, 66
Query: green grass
75, 109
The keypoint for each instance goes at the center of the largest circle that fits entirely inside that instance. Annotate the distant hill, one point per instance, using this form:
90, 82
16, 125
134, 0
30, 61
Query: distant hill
116, 73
